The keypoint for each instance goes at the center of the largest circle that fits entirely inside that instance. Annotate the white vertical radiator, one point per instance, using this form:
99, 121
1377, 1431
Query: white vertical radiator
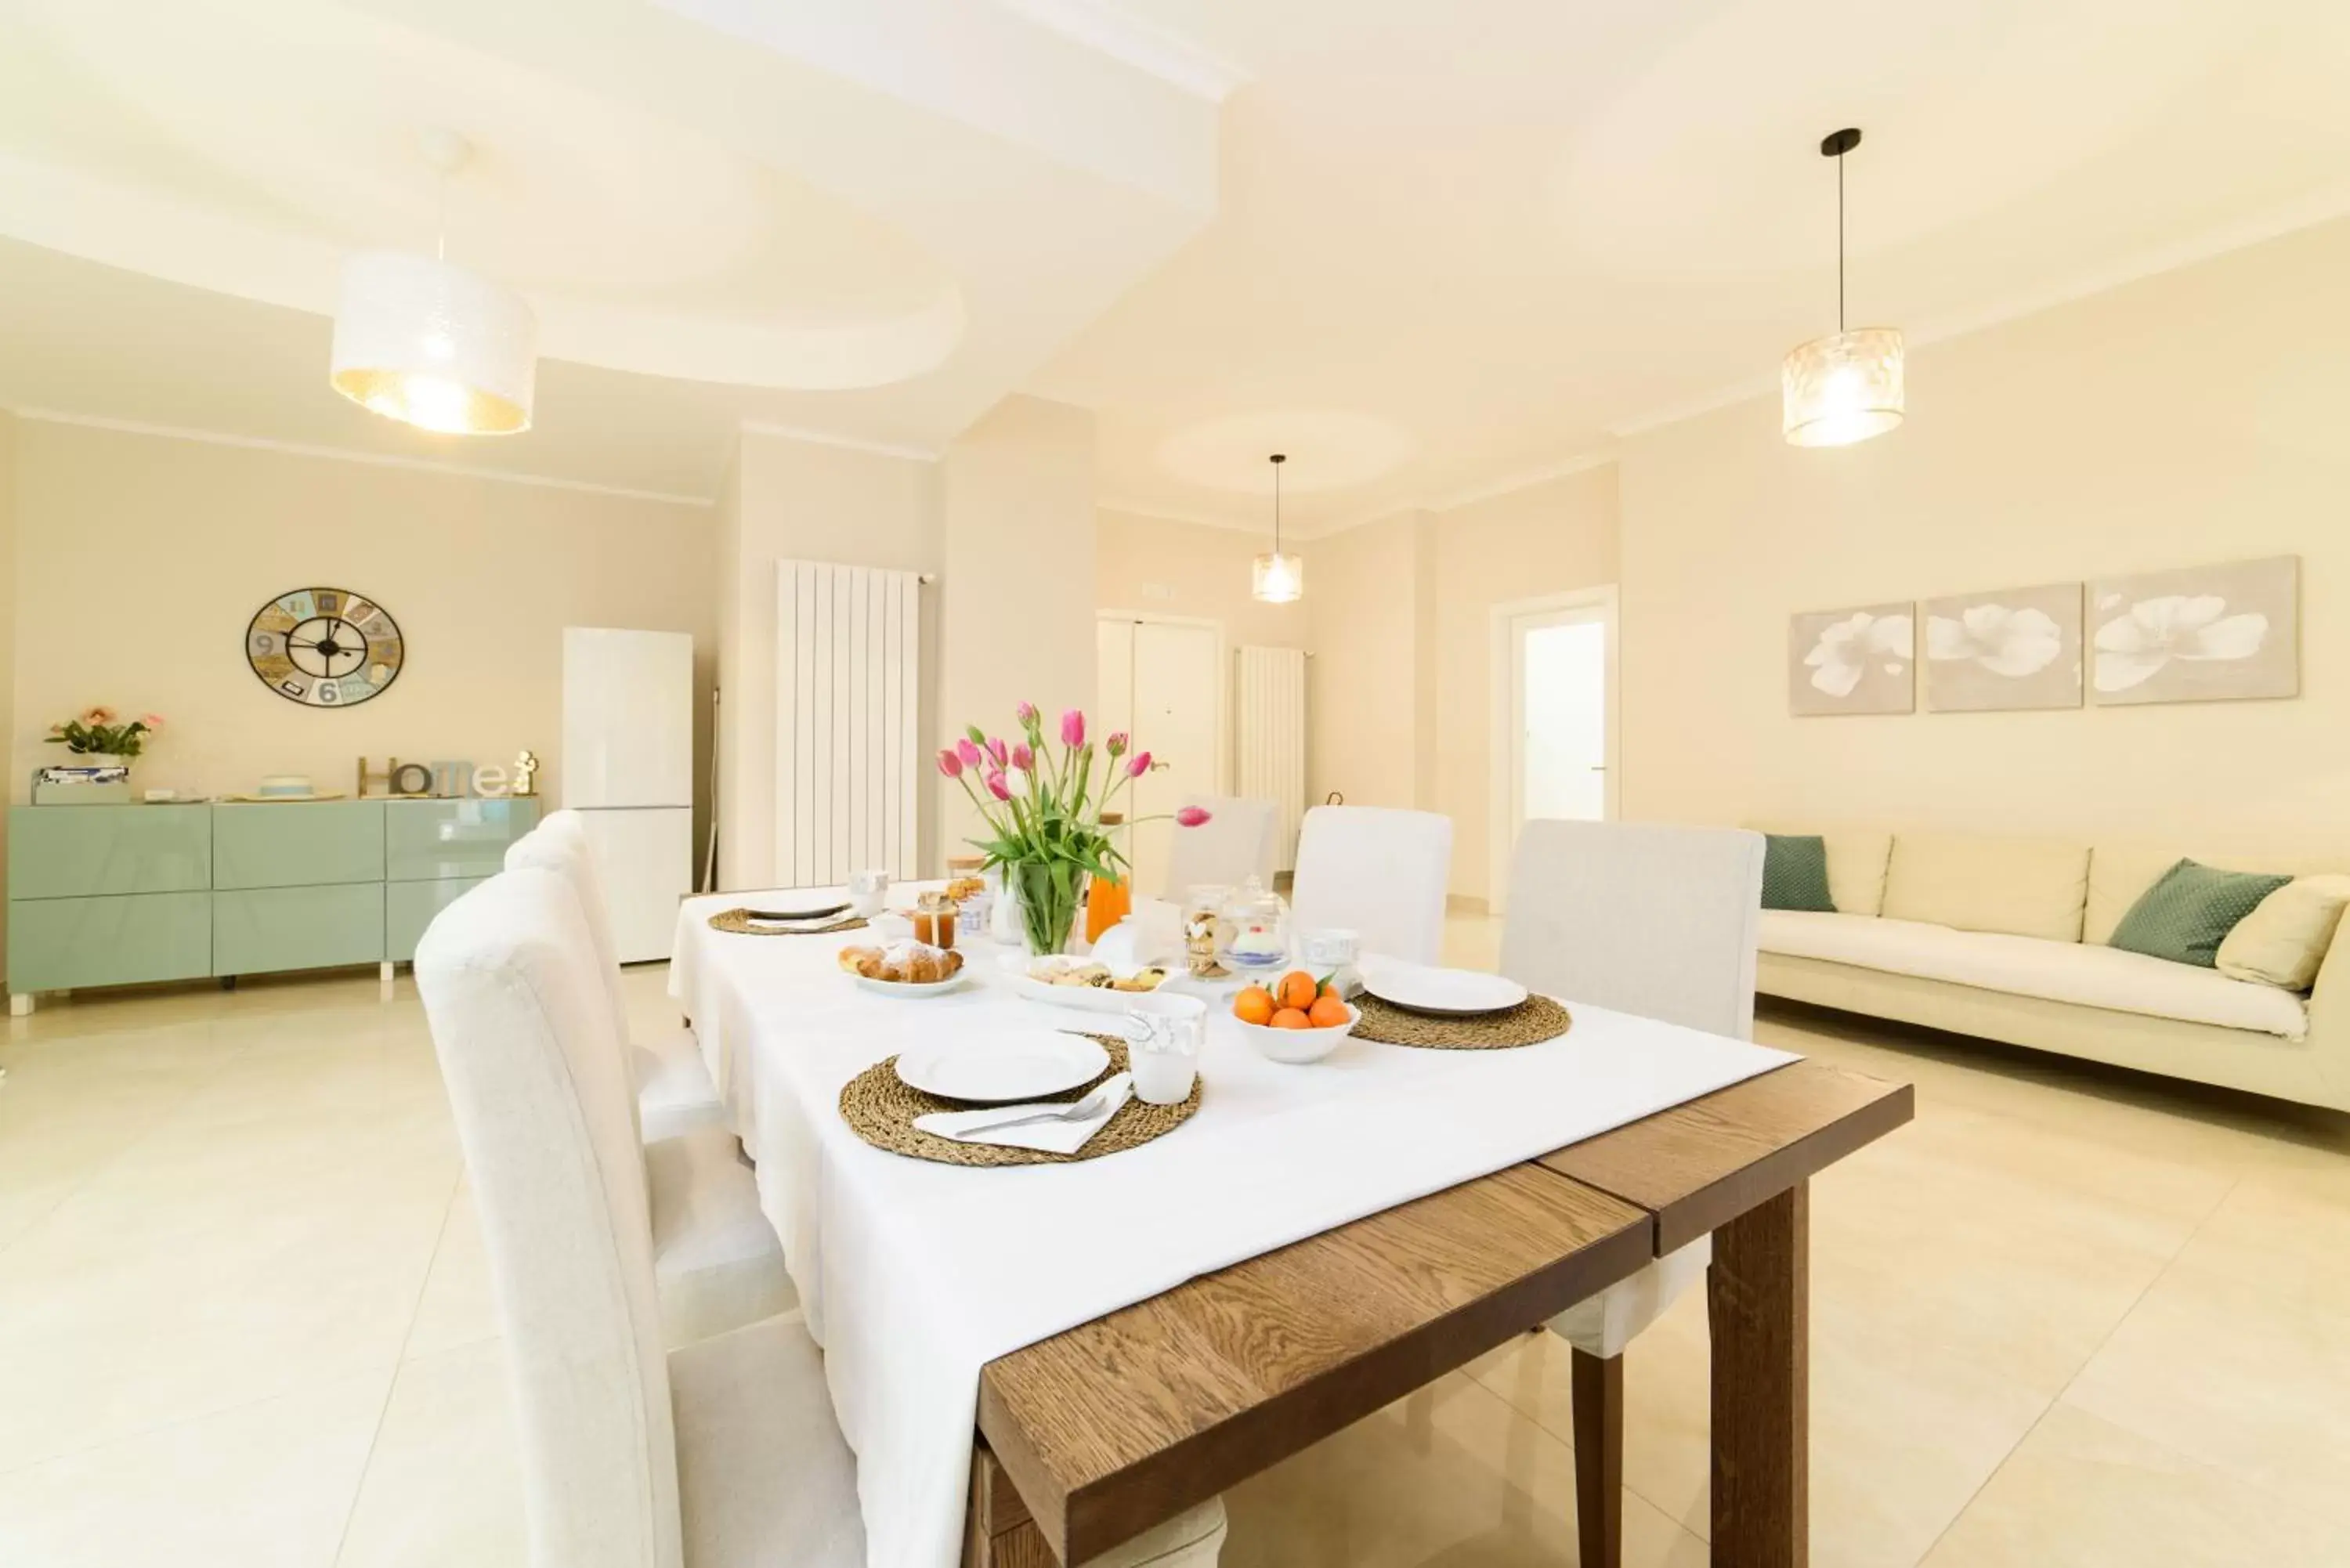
848, 748
1269, 724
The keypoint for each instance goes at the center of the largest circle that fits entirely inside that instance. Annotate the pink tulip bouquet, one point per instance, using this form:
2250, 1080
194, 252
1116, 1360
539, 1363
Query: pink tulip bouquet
99, 732
1043, 807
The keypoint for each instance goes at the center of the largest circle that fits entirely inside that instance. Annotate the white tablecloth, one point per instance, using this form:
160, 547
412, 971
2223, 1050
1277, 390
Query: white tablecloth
914, 1275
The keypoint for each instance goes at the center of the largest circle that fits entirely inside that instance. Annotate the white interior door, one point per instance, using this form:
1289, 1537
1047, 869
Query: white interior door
1555, 745
1163, 683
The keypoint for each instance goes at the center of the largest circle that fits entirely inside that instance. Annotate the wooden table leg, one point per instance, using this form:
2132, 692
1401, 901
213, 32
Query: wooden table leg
1598, 1401
1758, 1303
998, 1531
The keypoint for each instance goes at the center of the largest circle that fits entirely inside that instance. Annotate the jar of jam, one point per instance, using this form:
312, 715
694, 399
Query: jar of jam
934, 919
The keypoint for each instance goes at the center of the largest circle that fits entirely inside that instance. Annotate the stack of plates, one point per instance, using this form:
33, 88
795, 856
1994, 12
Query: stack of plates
1441, 992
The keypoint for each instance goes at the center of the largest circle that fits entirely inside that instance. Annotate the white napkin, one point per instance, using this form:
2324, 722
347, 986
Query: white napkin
1054, 1137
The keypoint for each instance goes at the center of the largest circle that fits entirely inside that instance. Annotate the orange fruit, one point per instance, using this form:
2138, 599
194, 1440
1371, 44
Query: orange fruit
1330, 988
1290, 1018
1254, 1005
1327, 1012
1297, 991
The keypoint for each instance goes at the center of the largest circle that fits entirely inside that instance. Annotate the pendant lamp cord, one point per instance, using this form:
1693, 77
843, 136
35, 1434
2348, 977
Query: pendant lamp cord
1839, 243
1276, 506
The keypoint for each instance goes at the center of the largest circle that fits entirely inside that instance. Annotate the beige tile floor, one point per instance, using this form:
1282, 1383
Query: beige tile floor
2069, 1316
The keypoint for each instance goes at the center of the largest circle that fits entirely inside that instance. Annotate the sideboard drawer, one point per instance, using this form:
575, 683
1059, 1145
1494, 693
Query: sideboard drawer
261, 930
425, 840
409, 908
297, 844
62, 944
84, 851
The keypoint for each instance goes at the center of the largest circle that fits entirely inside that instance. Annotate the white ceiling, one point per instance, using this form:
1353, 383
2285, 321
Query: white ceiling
1429, 247
757, 212
1465, 241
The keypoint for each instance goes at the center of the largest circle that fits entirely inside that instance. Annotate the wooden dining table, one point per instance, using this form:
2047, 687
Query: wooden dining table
1086, 1439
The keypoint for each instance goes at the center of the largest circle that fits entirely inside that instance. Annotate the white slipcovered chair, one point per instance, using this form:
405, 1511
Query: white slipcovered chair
675, 1093
1240, 839
721, 1454
1658, 921
1379, 872
718, 1261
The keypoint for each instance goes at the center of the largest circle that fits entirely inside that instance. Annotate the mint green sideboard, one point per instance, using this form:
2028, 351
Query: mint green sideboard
434, 850
121, 894
108, 895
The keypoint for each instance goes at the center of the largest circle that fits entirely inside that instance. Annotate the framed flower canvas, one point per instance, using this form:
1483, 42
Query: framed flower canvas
1852, 660
2203, 634
2019, 647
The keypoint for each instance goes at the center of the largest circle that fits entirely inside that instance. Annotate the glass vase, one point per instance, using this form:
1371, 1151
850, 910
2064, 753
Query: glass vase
1046, 891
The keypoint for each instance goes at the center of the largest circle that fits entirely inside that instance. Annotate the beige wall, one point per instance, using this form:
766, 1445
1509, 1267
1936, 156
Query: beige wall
8, 629
795, 500
1402, 636
1363, 595
2189, 418
1017, 602
1549, 538
140, 559
1156, 567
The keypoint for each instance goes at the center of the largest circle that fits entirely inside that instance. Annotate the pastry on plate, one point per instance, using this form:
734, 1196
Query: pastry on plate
903, 963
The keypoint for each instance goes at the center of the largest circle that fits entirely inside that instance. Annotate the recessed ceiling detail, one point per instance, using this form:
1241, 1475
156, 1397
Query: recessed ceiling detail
249, 144
1327, 449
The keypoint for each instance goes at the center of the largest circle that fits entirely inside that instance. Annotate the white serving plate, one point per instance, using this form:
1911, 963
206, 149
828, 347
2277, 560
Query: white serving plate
910, 990
1082, 998
1298, 1046
1424, 988
1005, 1066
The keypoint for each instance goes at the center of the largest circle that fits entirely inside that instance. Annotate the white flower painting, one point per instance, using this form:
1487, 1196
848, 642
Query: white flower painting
2203, 634
1852, 660
2019, 647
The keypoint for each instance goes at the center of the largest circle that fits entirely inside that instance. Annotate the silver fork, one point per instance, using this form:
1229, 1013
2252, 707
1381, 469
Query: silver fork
1082, 1110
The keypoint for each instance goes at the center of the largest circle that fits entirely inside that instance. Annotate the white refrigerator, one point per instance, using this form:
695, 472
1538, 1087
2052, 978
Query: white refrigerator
628, 770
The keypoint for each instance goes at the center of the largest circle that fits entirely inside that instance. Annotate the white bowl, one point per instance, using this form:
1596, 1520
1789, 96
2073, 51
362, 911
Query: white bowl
1298, 1046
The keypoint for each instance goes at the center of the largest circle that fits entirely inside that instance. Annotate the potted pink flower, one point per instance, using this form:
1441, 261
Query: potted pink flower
1043, 808
102, 739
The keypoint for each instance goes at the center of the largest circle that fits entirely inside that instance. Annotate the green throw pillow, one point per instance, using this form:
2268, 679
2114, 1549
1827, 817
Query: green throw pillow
2189, 911
1795, 873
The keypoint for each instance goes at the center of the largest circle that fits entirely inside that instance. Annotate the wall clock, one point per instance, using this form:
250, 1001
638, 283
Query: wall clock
324, 648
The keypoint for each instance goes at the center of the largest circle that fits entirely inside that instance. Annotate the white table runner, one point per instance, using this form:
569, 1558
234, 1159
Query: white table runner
914, 1275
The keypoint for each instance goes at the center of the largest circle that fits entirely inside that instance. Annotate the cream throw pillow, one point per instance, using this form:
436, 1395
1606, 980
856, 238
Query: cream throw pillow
2284, 939
2025, 887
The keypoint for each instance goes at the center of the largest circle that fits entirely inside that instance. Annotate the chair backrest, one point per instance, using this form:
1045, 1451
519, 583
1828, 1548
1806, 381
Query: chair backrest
541, 1103
1383, 873
1639, 916
1239, 840
560, 844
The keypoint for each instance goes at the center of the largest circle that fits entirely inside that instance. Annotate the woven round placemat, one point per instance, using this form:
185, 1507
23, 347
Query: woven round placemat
880, 1108
1530, 1022
738, 922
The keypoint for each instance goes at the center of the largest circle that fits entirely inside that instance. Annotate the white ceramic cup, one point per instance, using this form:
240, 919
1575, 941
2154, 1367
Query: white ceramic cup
1163, 1038
866, 890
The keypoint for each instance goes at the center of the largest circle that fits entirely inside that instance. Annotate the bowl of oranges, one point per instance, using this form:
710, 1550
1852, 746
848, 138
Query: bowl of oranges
1296, 1019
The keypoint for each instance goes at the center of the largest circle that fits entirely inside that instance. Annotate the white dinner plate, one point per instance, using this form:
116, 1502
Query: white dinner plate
1008, 1065
1424, 988
1083, 998
911, 988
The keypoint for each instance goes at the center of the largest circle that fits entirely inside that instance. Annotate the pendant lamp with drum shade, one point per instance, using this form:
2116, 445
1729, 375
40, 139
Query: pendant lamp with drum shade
1275, 578
1846, 388
431, 344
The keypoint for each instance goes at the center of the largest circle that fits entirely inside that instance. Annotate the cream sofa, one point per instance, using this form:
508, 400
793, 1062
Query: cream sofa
2006, 939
